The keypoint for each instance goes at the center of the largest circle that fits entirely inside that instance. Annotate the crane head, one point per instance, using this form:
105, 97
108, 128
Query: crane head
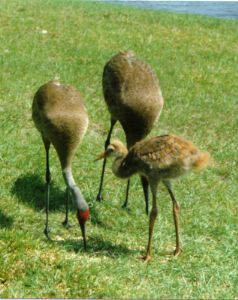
115, 148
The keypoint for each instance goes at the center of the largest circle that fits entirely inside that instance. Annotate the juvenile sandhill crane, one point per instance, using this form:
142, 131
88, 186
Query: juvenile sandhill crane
133, 97
158, 159
60, 116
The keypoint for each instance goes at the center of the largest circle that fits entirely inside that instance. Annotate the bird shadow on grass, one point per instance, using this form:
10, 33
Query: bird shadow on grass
96, 247
30, 190
107, 248
5, 221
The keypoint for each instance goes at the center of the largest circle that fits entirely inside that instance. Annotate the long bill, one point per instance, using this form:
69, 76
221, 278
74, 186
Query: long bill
101, 156
83, 230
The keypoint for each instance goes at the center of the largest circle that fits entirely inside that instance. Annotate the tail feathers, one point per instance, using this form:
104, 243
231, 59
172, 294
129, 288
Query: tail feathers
202, 161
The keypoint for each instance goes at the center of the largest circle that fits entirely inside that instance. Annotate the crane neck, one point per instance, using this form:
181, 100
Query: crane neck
75, 190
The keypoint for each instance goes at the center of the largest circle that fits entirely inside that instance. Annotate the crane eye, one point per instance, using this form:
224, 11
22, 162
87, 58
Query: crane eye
109, 150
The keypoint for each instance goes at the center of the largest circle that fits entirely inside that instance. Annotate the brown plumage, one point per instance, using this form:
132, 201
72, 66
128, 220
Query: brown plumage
158, 159
133, 97
61, 117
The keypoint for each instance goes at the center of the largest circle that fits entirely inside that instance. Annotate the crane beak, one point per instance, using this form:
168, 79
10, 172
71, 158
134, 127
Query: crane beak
101, 156
82, 226
105, 154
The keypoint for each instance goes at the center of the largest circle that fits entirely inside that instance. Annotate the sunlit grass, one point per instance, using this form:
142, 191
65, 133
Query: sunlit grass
196, 61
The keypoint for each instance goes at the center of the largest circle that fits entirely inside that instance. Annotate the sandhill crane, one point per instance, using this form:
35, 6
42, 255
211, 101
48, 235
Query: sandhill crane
158, 159
60, 116
133, 97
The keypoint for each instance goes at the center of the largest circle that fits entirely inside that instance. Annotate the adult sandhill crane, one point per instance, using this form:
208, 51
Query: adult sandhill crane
60, 116
158, 159
133, 97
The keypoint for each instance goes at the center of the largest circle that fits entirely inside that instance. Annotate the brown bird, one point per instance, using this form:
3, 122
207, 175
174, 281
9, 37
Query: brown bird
60, 116
161, 158
133, 97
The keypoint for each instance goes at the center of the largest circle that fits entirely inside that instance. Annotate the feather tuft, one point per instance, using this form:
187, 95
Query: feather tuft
202, 161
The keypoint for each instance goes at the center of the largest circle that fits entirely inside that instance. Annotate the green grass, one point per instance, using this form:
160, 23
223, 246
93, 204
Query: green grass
197, 63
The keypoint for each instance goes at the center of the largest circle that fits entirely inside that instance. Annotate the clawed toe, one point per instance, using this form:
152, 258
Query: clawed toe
177, 252
99, 198
66, 224
46, 233
126, 208
146, 258
124, 205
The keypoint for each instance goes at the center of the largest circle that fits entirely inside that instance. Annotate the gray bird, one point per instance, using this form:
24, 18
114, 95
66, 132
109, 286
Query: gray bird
133, 97
61, 117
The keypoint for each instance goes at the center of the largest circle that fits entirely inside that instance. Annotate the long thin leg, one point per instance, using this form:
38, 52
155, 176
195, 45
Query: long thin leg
153, 216
176, 210
145, 186
66, 221
99, 195
127, 194
48, 180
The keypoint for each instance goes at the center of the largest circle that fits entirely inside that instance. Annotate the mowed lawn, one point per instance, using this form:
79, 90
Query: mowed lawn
196, 60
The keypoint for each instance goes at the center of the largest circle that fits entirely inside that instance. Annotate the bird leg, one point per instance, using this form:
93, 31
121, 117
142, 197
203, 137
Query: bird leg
99, 195
145, 186
127, 194
153, 215
48, 180
66, 221
176, 211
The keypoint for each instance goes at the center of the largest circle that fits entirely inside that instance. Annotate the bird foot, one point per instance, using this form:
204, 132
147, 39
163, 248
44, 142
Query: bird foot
146, 258
66, 224
125, 207
46, 233
177, 252
99, 197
